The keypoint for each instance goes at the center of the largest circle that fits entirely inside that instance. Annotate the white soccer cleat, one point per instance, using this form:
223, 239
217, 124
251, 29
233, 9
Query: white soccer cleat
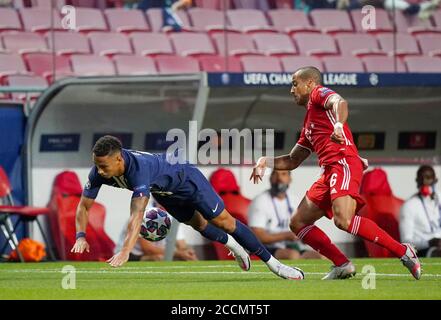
290, 273
344, 271
241, 256
411, 261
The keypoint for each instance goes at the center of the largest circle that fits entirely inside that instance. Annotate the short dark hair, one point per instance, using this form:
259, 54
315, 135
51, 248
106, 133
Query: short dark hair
107, 145
310, 72
423, 168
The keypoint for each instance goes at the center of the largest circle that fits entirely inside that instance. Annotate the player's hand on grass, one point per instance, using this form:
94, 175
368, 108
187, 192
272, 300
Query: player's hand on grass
258, 170
337, 136
119, 259
80, 245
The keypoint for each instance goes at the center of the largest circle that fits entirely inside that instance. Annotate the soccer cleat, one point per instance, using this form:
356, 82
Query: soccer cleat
344, 271
241, 256
290, 273
411, 261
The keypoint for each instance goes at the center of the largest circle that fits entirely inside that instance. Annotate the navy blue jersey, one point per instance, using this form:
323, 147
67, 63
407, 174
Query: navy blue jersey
144, 173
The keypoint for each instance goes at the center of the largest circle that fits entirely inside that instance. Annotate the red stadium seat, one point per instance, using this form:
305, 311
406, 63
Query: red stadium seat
122, 20
109, 43
151, 43
219, 64
343, 64
156, 20
382, 21
413, 24
90, 19
331, 20
430, 44
134, 65
261, 5
90, 65
208, 20
39, 19
214, 4
405, 44
177, 64
41, 64
315, 44
48, 4
67, 43
274, 44
18, 80
9, 20
359, 44
23, 42
284, 4
290, 21
383, 64
249, 20
188, 44
291, 64
437, 19
423, 64
11, 64
261, 64
237, 43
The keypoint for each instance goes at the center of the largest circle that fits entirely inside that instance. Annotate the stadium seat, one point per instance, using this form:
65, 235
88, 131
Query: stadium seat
134, 65
123, 20
284, 4
26, 215
48, 4
249, 20
430, 44
359, 44
437, 19
291, 64
238, 43
9, 20
382, 21
383, 64
413, 24
219, 64
274, 44
19, 80
189, 44
261, 64
11, 63
92, 65
405, 44
208, 20
24, 42
41, 64
109, 43
156, 20
331, 21
151, 43
177, 64
90, 19
343, 64
290, 21
315, 44
214, 4
261, 5
423, 64
39, 19
67, 43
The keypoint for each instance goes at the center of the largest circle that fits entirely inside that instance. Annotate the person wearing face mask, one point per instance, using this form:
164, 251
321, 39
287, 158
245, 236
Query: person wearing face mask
420, 216
269, 214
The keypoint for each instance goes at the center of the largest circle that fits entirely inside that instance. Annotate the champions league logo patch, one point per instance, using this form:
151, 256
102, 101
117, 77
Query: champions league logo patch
87, 186
324, 91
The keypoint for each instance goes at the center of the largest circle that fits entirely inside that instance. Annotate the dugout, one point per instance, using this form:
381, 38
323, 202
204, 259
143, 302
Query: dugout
395, 118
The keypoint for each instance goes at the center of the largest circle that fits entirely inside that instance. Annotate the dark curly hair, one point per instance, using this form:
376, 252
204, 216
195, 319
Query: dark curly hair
106, 146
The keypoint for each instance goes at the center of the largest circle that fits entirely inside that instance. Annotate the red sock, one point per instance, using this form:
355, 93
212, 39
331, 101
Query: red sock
321, 243
369, 230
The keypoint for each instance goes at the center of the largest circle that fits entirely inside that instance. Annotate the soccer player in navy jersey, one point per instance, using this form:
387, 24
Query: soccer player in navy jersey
181, 189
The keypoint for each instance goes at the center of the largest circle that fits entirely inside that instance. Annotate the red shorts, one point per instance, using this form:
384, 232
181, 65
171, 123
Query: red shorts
338, 179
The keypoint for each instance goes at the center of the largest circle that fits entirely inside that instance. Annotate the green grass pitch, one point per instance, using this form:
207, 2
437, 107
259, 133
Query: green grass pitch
215, 280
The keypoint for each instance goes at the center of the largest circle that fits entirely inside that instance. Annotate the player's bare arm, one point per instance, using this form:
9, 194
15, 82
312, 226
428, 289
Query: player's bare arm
137, 208
81, 220
289, 161
339, 106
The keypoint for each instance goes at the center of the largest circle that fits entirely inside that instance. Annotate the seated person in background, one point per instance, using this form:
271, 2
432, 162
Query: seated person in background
145, 250
269, 215
424, 9
420, 216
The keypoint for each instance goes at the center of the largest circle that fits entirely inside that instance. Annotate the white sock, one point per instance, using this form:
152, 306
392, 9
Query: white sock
273, 264
231, 243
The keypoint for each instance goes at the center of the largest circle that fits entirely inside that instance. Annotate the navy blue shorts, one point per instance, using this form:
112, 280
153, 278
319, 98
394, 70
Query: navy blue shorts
195, 193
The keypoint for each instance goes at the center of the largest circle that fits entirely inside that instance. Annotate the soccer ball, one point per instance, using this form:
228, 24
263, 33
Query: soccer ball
155, 225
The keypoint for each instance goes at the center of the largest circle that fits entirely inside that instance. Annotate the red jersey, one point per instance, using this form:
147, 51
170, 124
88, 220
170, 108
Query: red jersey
318, 127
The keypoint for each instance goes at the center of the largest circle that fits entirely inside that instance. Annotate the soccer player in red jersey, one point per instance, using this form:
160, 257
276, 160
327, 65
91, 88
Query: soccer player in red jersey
336, 193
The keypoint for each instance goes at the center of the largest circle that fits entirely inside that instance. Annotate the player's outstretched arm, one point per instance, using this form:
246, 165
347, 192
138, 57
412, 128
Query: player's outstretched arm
81, 220
286, 162
137, 208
